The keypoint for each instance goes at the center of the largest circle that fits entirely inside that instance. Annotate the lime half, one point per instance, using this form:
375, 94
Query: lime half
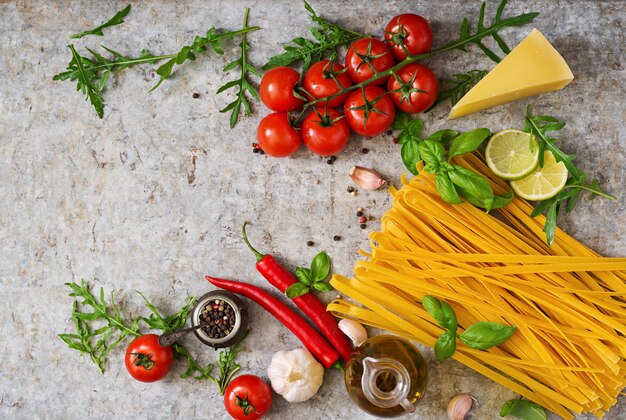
512, 154
542, 183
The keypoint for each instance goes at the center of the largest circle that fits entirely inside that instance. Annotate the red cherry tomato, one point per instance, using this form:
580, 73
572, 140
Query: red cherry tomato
319, 82
380, 111
359, 59
146, 360
277, 89
407, 98
410, 32
325, 134
276, 135
247, 397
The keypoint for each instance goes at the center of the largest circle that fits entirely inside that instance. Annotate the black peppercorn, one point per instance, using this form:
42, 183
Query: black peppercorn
389, 132
329, 161
196, 95
310, 243
364, 150
359, 213
255, 150
333, 158
363, 225
336, 238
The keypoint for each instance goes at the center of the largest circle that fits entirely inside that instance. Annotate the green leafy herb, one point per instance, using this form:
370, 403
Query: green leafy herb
311, 277
328, 37
92, 74
457, 87
540, 126
99, 331
115, 20
227, 366
242, 83
523, 409
481, 335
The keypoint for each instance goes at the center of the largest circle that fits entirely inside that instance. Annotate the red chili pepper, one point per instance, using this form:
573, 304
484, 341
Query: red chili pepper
281, 278
311, 339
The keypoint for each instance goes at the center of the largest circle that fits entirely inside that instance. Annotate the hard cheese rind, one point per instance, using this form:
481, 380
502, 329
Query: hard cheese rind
533, 67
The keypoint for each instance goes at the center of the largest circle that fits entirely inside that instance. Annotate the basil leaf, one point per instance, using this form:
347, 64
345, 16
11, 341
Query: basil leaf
502, 200
443, 136
320, 267
304, 275
410, 156
473, 183
446, 189
404, 137
296, 289
323, 287
468, 142
523, 409
433, 307
450, 317
432, 168
400, 121
415, 127
431, 151
484, 335
445, 346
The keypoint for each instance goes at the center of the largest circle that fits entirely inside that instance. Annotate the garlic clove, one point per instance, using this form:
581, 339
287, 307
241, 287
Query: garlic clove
459, 406
355, 331
366, 178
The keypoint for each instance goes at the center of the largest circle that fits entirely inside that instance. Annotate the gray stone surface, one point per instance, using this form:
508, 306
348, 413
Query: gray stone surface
152, 197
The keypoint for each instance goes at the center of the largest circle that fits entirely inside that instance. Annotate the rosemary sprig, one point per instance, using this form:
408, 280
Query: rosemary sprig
458, 86
118, 19
540, 125
242, 83
329, 37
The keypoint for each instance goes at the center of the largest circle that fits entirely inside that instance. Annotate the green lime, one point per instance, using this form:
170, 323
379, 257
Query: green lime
542, 183
512, 154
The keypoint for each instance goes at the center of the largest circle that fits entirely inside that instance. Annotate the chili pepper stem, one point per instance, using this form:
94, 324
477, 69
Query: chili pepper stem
257, 254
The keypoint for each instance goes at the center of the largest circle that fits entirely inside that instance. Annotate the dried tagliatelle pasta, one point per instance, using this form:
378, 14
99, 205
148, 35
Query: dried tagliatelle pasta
568, 303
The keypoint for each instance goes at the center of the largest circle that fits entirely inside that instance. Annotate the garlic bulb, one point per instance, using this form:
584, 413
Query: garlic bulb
459, 406
366, 178
295, 374
355, 331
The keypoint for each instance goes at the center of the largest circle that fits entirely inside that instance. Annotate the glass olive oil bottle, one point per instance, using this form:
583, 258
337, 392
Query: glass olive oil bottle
386, 376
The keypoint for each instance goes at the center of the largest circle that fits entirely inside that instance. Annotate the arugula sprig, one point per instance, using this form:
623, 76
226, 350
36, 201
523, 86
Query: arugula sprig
242, 84
481, 335
540, 126
227, 366
453, 181
523, 409
311, 277
90, 339
328, 37
118, 19
457, 86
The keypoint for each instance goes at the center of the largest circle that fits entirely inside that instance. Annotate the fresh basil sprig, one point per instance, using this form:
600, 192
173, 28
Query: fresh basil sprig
540, 126
481, 335
453, 182
118, 19
523, 409
311, 277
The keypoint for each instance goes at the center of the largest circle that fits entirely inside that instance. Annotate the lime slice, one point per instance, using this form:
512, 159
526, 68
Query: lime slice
542, 183
512, 154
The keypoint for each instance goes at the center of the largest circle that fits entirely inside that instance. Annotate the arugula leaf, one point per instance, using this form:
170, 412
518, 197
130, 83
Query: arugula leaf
458, 85
115, 20
523, 409
242, 84
328, 37
227, 366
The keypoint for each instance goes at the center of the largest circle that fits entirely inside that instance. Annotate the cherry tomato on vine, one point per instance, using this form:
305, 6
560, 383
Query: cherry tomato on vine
410, 32
369, 112
366, 53
418, 90
323, 80
277, 89
277, 137
247, 397
325, 133
146, 360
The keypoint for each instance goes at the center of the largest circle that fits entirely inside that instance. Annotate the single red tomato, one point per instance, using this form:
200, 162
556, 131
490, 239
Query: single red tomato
248, 397
365, 55
323, 80
369, 112
408, 33
418, 90
277, 89
325, 133
277, 137
146, 360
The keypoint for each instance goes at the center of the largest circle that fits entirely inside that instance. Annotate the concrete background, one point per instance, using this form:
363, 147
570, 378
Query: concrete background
152, 197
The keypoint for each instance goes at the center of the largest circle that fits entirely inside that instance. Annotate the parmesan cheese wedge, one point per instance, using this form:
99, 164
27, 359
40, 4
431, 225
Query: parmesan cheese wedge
533, 67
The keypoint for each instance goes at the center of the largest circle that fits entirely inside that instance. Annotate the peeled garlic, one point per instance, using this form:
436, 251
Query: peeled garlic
295, 374
366, 178
459, 406
355, 331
